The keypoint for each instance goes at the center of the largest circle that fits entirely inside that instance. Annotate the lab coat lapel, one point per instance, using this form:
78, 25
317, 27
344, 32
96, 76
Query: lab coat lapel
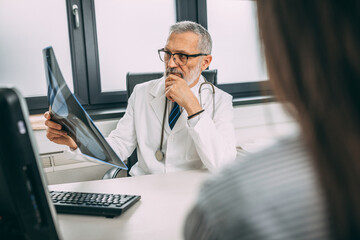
158, 103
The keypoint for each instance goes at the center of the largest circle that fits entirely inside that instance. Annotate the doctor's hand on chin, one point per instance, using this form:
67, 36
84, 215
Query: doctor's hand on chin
177, 90
55, 133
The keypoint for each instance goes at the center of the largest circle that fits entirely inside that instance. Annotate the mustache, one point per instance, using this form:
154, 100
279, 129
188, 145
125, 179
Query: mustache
173, 71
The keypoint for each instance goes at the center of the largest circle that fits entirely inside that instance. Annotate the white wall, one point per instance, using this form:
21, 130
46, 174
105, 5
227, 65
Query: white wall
256, 126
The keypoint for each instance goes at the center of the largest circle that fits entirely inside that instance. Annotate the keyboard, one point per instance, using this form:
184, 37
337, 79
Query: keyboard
108, 205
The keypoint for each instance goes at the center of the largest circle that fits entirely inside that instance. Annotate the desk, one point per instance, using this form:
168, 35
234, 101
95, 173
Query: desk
160, 213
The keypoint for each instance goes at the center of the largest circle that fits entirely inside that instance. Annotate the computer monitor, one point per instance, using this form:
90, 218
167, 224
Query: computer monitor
26, 210
66, 110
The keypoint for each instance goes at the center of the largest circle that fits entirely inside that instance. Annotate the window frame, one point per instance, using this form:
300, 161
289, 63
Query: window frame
38, 105
86, 68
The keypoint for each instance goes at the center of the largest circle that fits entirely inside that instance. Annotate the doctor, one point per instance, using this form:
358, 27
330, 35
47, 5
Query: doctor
194, 135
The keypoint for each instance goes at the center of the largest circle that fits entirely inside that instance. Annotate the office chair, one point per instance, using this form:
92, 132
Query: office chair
135, 78
210, 75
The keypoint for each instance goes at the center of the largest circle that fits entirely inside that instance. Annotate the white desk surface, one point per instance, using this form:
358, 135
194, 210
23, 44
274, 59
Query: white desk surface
160, 213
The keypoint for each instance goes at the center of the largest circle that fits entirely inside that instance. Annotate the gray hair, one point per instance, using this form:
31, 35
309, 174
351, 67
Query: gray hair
205, 42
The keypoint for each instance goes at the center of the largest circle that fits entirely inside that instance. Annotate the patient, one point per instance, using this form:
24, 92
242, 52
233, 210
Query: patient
306, 186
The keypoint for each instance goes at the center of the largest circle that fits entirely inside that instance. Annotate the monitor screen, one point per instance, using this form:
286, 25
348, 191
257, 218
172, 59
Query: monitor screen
66, 110
26, 210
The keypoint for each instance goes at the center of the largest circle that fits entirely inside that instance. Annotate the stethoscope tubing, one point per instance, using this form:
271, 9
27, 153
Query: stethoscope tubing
213, 94
163, 124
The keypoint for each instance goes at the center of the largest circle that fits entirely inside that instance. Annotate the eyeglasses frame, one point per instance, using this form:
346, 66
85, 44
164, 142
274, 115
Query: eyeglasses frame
186, 55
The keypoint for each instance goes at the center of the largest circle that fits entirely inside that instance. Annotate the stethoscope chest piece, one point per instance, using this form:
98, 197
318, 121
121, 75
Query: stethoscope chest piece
159, 155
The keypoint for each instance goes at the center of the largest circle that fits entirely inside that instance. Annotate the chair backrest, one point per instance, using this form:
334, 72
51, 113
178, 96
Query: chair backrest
135, 78
210, 76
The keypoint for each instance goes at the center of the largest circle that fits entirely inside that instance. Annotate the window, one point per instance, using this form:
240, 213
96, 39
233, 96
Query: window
114, 37
236, 44
24, 34
128, 37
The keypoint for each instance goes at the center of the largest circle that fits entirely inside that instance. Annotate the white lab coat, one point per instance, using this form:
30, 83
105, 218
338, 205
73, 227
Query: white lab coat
210, 143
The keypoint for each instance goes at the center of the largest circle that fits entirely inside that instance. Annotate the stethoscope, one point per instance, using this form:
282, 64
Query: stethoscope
159, 155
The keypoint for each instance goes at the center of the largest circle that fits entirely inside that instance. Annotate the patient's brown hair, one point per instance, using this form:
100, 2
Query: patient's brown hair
312, 48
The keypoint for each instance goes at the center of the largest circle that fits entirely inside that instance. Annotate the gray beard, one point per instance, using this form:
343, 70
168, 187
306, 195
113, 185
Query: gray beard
193, 75
190, 79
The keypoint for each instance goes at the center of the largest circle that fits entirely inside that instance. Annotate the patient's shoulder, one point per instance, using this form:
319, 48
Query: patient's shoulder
276, 184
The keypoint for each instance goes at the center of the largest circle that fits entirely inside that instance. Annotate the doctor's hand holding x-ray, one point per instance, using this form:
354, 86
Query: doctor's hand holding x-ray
56, 134
202, 136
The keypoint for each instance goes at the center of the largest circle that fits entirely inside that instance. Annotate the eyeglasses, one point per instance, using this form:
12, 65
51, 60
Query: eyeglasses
180, 59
